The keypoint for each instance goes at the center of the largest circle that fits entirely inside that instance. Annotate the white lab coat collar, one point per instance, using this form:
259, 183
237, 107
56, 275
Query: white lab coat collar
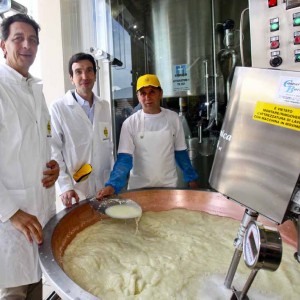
15, 76
71, 101
82, 101
12, 77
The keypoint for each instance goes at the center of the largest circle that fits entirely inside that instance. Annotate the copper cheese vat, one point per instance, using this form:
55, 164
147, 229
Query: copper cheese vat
63, 227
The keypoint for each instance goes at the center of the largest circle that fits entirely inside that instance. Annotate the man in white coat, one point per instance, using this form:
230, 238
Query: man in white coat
152, 141
27, 173
82, 137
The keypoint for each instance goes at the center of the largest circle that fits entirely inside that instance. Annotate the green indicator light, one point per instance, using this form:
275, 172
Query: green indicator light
274, 26
297, 21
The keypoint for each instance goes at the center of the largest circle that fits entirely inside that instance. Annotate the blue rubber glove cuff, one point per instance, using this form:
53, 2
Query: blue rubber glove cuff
120, 173
183, 161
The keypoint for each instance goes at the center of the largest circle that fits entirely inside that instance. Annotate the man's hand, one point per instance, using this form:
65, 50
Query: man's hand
50, 175
29, 225
67, 196
193, 184
107, 191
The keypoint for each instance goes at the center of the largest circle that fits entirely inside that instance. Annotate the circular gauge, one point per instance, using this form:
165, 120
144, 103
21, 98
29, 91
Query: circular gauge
262, 247
251, 245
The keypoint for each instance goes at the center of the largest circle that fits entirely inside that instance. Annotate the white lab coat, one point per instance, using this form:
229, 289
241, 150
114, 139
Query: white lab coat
76, 141
24, 152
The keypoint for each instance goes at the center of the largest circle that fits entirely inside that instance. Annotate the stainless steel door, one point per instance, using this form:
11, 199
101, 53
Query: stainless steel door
257, 161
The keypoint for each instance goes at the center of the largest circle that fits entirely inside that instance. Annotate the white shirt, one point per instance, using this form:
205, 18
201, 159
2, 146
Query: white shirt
166, 119
86, 106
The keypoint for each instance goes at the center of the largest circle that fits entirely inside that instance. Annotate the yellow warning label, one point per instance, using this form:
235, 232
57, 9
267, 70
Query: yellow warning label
279, 115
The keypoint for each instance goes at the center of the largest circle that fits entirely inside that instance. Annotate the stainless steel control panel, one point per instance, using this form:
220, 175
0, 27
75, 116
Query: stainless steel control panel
275, 34
257, 157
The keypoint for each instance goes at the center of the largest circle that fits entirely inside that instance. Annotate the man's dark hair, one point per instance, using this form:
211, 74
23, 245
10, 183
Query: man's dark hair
5, 25
81, 56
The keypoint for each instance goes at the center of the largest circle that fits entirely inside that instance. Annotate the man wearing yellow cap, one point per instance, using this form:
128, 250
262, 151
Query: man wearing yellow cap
152, 141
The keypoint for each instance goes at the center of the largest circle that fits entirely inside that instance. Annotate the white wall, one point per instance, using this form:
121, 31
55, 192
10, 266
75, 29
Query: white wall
51, 55
51, 52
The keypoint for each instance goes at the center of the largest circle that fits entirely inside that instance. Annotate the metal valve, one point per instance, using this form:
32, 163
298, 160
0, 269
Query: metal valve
262, 249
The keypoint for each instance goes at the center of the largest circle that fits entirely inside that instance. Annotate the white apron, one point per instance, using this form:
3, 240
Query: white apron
153, 159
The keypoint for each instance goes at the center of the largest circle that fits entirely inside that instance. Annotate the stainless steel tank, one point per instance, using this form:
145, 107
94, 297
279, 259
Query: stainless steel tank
202, 157
63, 227
182, 34
189, 32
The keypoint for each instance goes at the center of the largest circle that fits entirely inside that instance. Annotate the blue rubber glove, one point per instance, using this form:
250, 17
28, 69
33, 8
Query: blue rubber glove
183, 161
119, 175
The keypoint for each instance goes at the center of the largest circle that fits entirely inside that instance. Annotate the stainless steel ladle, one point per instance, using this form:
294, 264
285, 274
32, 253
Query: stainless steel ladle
102, 206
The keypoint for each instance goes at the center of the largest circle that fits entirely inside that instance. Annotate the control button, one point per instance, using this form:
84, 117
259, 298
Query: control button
296, 40
274, 42
274, 45
274, 24
276, 61
297, 55
296, 19
272, 3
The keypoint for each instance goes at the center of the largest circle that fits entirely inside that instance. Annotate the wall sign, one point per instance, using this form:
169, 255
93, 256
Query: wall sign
181, 77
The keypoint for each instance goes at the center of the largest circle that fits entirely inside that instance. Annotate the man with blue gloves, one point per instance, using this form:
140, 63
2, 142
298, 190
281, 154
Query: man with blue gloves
152, 141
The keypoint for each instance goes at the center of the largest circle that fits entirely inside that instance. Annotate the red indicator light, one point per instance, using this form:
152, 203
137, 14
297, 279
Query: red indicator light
274, 45
272, 3
297, 40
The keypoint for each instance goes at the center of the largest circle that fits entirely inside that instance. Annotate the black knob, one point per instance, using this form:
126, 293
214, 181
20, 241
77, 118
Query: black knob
276, 61
228, 24
117, 62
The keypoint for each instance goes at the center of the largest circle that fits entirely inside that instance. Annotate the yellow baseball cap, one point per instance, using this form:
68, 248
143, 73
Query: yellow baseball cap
147, 80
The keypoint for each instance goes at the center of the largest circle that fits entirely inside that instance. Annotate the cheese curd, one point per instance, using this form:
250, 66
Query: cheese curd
176, 254
123, 211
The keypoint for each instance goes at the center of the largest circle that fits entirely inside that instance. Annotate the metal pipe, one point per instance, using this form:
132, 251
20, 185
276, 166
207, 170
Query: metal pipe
214, 59
232, 268
248, 283
206, 76
241, 36
18, 7
294, 215
230, 76
297, 254
200, 132
98, 78
146, 54
249, 215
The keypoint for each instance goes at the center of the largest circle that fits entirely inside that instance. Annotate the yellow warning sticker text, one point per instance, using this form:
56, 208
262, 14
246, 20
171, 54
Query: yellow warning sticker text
279, 115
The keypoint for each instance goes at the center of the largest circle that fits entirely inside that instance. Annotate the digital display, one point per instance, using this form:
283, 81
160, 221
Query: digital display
252, 244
